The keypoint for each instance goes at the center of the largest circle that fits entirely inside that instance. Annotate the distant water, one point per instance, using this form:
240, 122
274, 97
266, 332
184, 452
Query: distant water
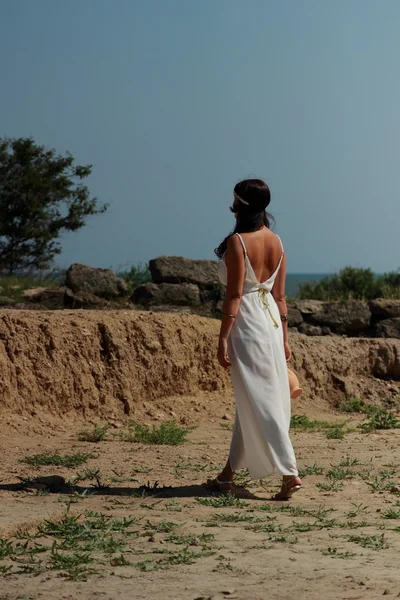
293, 281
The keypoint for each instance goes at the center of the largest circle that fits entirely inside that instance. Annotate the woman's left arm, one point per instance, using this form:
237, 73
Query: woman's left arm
234, 258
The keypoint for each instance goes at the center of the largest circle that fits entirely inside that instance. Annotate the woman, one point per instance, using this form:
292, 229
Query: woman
253, 342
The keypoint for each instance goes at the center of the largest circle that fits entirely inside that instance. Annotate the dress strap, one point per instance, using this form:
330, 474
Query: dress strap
242, 242
283, 251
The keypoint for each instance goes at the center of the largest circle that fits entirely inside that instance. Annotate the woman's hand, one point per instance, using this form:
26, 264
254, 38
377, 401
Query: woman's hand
288, 352
223, 353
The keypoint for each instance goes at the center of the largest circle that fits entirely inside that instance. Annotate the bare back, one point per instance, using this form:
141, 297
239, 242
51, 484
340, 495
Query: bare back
264, 250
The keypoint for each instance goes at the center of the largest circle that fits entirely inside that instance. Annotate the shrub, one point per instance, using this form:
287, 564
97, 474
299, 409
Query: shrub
353, 284
136, 275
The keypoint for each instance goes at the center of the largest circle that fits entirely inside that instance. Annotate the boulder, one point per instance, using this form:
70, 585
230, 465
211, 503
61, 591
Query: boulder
33, 294
309, 307
51, 298
178, 269
178, 294
100, 282
212, 295
295, 317
385, 309
307, 329
82, 300
343, 317
389, 328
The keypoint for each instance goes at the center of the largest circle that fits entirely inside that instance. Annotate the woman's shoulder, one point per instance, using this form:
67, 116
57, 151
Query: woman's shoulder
234, 242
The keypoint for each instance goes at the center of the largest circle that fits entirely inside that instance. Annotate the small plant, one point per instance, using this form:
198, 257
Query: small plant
142, 469
391, 513
329, 486
222, 501
169, 433
283, 539
380, 484
97, 434
74, 564
380, 419
335, 433
305, 526
355, 524
339, 473
6, 548
69, 461
310, 470
242, 478
335, 553
375, 542
190, 540
353, 405
162, 527
349, 462
243, 517
90, 474
119, 561
358, 508
302, 423
269, 527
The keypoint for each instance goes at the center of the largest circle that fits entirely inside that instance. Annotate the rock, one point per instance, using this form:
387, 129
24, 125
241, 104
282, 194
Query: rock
385, 309
384, 360
295, 317
212, 295
50, 298
99, 282
343, 317
178, 294
178, 269
309, 307
326, 331
82, 300
34, 294
389, 328
307, 329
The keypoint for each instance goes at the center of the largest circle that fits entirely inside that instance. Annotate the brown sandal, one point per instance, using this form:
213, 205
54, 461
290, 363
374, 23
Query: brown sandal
219, 486
288, 489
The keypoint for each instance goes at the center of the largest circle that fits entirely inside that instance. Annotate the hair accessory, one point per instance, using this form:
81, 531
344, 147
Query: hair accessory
240, 199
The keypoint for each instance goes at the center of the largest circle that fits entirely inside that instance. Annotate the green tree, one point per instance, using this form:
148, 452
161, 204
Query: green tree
42, 194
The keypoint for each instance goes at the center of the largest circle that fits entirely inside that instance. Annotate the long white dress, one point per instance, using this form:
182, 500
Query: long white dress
260, 440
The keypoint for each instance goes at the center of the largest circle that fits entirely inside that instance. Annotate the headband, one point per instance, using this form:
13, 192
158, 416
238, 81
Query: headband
240, 199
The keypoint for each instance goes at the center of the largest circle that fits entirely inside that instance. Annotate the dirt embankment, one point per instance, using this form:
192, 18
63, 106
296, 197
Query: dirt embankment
109, 365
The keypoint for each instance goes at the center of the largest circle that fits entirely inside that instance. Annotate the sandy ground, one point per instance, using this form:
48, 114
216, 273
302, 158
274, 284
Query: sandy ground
180, 549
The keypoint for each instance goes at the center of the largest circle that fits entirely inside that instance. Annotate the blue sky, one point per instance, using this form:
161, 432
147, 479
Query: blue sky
174, 101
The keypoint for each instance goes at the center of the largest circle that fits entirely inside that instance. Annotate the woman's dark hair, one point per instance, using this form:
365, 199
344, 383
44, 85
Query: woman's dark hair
251, 213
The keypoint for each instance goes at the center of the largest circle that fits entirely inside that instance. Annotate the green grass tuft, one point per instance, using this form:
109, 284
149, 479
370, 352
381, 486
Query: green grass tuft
46, 459
97, 434
222, 501
169, 433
